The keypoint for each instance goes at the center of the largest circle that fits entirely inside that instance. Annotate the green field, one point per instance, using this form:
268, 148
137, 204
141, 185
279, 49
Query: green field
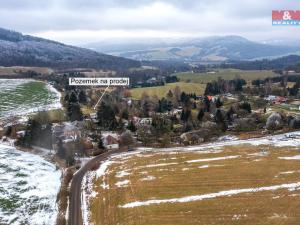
161, 91
227, 74
18, 97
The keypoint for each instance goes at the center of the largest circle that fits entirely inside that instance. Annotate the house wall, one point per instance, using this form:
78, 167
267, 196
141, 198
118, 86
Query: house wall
113, 146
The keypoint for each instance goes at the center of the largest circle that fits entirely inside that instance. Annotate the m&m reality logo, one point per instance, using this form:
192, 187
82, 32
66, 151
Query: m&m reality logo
286, 17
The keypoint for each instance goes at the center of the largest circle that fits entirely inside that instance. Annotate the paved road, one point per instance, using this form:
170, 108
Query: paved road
75, 213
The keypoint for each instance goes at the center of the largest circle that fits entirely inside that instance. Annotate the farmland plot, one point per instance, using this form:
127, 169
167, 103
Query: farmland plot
238, 184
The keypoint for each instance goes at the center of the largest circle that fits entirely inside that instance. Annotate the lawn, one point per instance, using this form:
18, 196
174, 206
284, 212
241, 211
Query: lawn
161, 91
182, 188
227, 74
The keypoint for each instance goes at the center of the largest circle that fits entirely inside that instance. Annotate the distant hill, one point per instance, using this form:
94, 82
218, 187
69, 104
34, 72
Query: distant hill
17, 49
282, 63
211, 49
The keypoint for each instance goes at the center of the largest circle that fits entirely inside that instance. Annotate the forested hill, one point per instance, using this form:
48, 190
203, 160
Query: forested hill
17, 49
290, 62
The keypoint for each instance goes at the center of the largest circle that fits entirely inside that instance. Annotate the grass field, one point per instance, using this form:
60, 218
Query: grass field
161, 91
212, 187
227, 74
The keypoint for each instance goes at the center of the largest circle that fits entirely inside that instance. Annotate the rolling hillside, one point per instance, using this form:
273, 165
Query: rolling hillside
17, 49
211, 49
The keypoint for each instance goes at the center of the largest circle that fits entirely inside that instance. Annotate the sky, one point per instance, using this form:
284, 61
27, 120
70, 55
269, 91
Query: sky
84, 21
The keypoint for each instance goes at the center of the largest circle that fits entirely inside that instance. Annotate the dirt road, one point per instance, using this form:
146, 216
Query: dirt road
75, 213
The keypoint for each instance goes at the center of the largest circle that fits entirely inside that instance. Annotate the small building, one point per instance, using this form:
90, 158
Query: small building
270, 98
67, 132
280, 99
94, 117
145, 121
176, 112
152, 80
21, 133
210, 98
110, 140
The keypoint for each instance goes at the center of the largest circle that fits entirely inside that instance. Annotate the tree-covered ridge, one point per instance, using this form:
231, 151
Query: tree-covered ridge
17, 49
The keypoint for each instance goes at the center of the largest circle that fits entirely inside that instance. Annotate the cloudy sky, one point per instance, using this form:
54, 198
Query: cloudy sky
84, 21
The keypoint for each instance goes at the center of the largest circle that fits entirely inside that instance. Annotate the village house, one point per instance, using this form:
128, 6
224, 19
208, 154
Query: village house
275, 99
145, 121
94, 117
141, 121
110, 140
152, 80
67, 131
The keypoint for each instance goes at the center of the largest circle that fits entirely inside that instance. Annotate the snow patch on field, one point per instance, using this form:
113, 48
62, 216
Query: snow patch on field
156, 165
214, 159
104, 185
148, 178
260, 154
123, 183
287, 173
204, 167
122, 173
290, 187
208, 166
296, 157
102, 169
239, 216
84, 200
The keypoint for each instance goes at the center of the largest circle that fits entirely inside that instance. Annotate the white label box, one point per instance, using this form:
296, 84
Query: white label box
99, 81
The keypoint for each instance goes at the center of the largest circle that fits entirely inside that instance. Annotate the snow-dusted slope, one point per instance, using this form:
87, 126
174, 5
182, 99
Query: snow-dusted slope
28, 188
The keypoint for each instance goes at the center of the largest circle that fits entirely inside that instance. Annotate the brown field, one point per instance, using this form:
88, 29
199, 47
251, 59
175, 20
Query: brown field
17, 69
165, 175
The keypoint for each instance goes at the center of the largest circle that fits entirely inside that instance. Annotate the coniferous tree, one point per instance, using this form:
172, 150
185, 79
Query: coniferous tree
106, 116
146, 108
170, 94
74, 112
206, 103
61, 151
200, 114
185, 115
219, 103
82, 97
125, 114
131, 127
246, 106
219, 118
73, 97
100, 144
229, 114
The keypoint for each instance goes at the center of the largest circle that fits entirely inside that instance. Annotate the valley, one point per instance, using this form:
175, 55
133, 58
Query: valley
149, 112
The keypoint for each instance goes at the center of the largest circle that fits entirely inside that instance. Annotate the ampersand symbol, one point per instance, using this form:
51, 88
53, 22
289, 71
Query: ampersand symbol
286, 15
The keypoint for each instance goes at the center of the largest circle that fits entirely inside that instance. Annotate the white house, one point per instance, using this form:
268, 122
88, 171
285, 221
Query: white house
145, 121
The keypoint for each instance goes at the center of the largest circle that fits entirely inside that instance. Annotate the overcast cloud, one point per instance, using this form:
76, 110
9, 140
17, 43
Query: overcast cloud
83, 21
